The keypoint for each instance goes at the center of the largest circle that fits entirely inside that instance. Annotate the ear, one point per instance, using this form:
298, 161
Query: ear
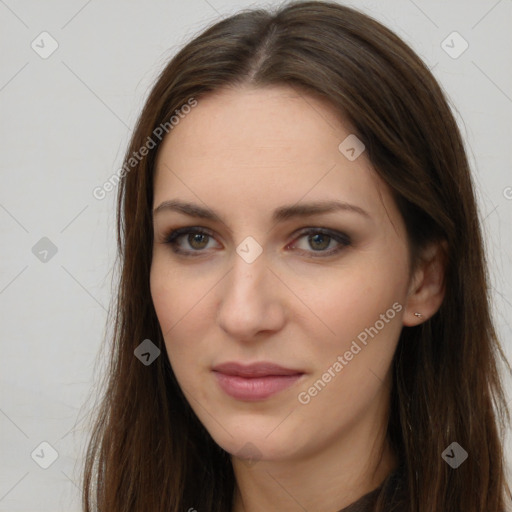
426, 289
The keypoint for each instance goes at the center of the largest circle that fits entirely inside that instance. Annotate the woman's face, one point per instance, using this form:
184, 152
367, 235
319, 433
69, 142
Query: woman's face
269, 280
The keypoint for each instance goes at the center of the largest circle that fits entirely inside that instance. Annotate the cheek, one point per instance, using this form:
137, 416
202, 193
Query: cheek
180, 309
347, 301
175, 295
364, 310
164, 295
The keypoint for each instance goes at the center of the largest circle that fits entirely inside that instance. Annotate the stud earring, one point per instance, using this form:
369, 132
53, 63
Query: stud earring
419, 315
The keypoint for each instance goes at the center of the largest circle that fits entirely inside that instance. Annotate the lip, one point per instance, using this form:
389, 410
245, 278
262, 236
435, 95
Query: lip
261, 369
256, 381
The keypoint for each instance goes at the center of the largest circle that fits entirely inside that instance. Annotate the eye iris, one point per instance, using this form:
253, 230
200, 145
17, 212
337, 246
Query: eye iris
197, 237
318, 238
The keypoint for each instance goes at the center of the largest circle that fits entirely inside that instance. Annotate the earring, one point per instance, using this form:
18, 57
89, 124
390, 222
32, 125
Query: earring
419, 315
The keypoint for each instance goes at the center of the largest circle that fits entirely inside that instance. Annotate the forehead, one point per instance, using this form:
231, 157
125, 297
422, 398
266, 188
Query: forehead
249, 124
262, 147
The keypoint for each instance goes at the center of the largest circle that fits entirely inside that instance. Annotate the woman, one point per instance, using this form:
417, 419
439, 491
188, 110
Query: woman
302, 320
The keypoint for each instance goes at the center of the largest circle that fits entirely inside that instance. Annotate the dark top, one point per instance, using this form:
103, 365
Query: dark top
393, 487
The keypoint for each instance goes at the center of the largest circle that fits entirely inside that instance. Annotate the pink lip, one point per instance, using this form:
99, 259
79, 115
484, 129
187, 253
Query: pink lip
256, 381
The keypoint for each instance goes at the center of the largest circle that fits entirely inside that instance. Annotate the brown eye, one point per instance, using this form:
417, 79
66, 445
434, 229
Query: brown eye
319, 240
198, 240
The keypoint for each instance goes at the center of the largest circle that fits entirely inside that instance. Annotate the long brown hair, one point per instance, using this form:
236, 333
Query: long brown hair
148, 450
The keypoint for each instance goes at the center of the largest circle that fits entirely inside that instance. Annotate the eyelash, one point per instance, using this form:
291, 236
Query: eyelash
173, 236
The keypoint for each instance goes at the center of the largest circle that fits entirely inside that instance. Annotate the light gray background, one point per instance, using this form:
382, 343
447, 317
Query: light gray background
65, 123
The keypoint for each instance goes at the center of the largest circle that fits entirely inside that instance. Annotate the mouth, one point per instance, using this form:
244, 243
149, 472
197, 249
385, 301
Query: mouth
256, 381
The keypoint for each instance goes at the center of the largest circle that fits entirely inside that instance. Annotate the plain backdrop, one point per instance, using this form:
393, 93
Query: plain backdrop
66, 118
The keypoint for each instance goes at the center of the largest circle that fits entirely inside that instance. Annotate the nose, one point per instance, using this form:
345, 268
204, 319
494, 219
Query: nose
252, 300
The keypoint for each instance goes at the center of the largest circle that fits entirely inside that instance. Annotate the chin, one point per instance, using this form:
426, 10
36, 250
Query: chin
253, 443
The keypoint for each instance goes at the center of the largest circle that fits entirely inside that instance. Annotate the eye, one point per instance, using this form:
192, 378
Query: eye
318, 239
197, 239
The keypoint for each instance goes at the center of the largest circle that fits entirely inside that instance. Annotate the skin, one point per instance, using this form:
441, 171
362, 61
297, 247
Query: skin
243, 153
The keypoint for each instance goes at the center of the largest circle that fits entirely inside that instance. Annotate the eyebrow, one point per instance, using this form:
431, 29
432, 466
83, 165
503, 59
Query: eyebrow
279, 215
